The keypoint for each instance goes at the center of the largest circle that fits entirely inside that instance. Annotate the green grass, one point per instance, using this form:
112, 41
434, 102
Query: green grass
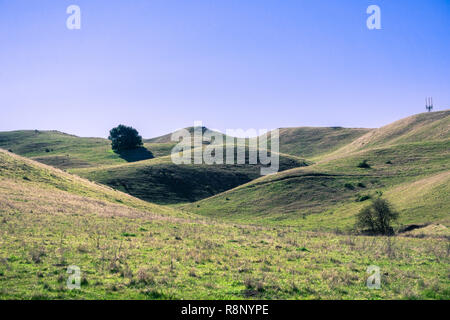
33, 174
129, 249
161, 181
423, 127
312, 142
283, 236
66, 151
160, 149
319, 196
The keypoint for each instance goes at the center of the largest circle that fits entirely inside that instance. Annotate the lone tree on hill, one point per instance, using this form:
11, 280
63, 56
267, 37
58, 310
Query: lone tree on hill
124, 138
376, 218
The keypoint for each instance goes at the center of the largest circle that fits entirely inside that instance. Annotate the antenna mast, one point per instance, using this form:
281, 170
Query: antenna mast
429, 104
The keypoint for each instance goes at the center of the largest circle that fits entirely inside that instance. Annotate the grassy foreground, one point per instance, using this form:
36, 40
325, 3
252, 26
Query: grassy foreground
129, 249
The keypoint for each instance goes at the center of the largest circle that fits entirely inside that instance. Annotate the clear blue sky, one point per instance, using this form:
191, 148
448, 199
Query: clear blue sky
160, 65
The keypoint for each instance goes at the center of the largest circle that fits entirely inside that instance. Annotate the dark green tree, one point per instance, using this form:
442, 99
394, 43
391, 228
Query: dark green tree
124, 138
377, 217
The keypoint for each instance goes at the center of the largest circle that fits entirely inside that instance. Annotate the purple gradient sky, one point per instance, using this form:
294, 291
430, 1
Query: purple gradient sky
160, 65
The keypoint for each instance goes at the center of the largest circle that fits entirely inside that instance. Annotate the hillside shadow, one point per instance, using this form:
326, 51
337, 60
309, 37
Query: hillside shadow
134, 155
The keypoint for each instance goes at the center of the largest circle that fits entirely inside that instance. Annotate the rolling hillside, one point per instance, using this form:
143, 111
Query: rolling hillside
423, 127
327, 194
324, 193
309, 142
66, 151
22, 172
167, 138
161, 181
126, 248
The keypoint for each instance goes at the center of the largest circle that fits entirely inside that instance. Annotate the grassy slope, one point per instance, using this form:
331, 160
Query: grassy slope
325, 195
160, 149
167, 138
312, 142
65, 151
160, 181
130, 249
18, 169
423, 127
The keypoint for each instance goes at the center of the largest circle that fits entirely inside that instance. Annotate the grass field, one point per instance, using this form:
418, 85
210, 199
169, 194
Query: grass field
223, 231
127, 248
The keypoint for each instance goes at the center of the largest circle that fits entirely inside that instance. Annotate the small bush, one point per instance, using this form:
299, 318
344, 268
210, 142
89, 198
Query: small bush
361, 185
126, 234
363, 198
84, 281
349, 186
376, 218
363, 164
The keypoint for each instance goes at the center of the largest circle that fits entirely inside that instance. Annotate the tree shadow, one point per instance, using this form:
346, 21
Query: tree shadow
137, 154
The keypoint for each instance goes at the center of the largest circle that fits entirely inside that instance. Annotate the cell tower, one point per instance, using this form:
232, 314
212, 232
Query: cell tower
429, 104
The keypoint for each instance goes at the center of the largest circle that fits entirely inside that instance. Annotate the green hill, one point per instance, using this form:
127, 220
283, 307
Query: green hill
311, 142
157, 180
327, 194
423, 127
127, 248
305, 142
161, 181
66, 151
25, 172
167, 138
